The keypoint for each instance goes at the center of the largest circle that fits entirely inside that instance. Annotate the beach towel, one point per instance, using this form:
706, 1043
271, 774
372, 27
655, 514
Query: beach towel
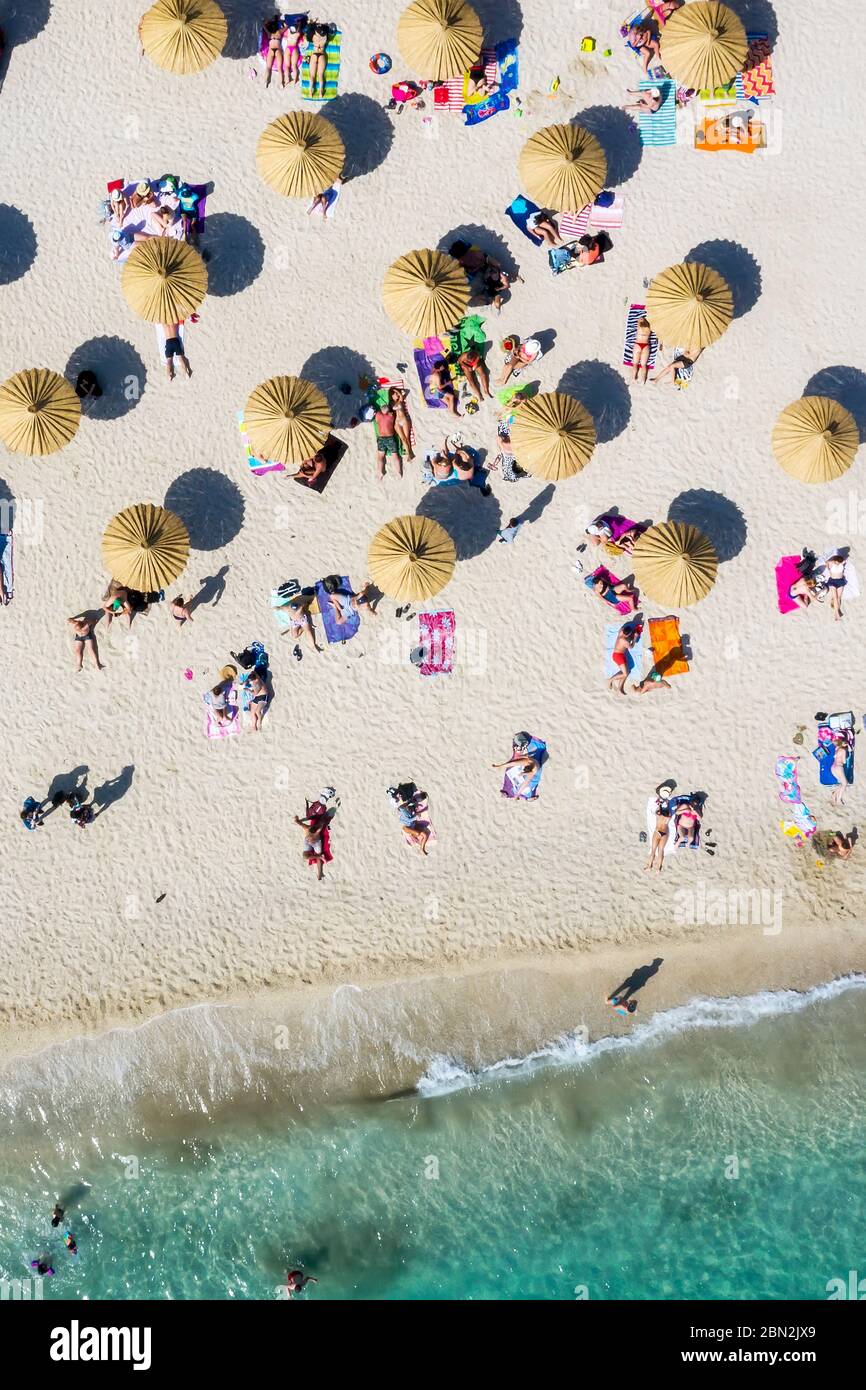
212, 726
634, 314
667, 647
6, 561
574, 224
618, 527
332, 194
826, 752
426, 353
537, 749
256, 465
333, 52
476, 112
634, 656
756, 84
800, 824
671, 841
786, 575
335, 631
562, 258
520, 210
422, 822
607, 218
609, 578
658, 128
436, 637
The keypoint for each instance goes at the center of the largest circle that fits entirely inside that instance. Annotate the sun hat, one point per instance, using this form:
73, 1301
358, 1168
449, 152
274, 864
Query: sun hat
142, 188
116, 195
228, 673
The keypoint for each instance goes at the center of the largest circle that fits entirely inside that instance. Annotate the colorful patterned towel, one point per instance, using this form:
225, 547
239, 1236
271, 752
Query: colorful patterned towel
634, 314
333, 52
436, 632
658, 128
257, 466
426, 353
452, 94
609, 218
756, 84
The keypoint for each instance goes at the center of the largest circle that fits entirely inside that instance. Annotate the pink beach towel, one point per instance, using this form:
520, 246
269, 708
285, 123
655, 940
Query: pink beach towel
573, 224
608, 218
213, 728
786, 575
436, 631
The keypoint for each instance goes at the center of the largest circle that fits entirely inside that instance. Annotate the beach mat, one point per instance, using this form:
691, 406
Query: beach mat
609, 578
609, 218
333, 53
336, 631
786, 575
426, 354
634, 313
536, 749
213, 728
7, 544
436, 637
659, 128
634, 656
520, 210
667, 647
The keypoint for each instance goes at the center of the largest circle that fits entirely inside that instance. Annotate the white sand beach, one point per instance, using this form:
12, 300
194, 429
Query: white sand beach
191, 886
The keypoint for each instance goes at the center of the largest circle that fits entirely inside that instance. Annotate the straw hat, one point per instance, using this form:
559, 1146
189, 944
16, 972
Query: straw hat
39, 412
183, 36
287, 419
674, 564
553, 436
411, 558
164, 280
300, 154
815, 439
425, 293
689, 304
703, 44
228, 673
145, 547
562, 167
439, 38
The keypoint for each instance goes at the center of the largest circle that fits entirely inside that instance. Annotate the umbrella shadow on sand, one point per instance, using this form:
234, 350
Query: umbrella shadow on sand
235, 253
118, 369
209, 504
846, 386
490, 242
618, 138
472, 521
23, 20
17, 244
604, 393
500, 19
718, 517
244, 21
736, 265
332, 369
365, 130
758, 17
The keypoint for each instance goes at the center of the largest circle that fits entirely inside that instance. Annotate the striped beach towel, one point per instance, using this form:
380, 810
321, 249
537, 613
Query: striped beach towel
452, 93
634, 314
333, 51
609, 218
658, 128
573, 224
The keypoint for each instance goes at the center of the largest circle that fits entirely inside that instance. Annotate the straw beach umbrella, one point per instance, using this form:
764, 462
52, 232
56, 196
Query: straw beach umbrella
563, 167
39, 412
552, 436
183, 36
145, 547
815, 439
411, 558
690, 305
439, 38
425, 292
300, 154
164, 280
674, 564
287, 419
703, 44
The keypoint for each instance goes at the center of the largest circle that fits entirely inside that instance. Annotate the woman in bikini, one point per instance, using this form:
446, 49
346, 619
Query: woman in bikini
517, 356
180, 611
476, 372
314, 824
621, 592
441, 387
274, 29
318, 36
300, 623
115, 601
802, 592
660, 835
840, 758
841, 846
292, 36
687, 824
82, 634
259, 699
640, 354
836, 582
542, 227
441, 467
397, 398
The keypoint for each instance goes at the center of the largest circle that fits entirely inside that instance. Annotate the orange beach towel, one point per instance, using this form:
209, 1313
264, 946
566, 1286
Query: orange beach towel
667, 647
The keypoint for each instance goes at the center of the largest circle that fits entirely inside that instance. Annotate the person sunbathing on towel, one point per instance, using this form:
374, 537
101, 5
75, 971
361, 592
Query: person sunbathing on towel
841, 846
317, 36
687, 824
310, 470
643, 37
520, 768
489, 271
660, 835
593, 248
803, 592
626, 638
642, 348
441, 387
840, 758
647, 101
475, 371
410, 805
620, 592
274, 30
397, 398
314, 824
542, 227
517, 356
684, 359
345, 601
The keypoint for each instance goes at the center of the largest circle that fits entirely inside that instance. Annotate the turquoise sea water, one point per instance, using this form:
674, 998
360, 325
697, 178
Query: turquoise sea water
715, 1153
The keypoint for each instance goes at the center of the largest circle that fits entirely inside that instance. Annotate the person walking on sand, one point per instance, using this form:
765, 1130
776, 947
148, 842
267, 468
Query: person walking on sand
82, 636
174, 348
660, 835
180, 610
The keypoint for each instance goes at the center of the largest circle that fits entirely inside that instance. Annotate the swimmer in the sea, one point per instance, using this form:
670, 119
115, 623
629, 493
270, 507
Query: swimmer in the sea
297, 1281
57, 1215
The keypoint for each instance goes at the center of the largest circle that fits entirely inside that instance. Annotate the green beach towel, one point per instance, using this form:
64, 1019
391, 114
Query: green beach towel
333, 51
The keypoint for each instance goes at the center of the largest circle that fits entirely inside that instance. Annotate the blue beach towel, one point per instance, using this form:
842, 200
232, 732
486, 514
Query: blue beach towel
634, 656
6, 562
824, 754
537, 749
336, 631
659, 128
520, 210
506, 61
476, 112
